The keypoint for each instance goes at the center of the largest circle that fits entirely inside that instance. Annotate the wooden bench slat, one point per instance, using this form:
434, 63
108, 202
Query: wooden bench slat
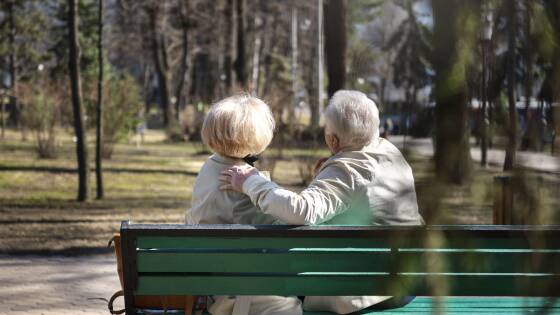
257, 242
464, 305
458, 285
375, 260
411, 240
468, 305
481, 262
286, 262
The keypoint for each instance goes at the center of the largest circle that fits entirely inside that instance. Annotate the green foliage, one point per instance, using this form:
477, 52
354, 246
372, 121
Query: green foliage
361, 60
361, 11
88, 14
122, 104
41, 111
412, 43
175, 133
121, 108
278, 93
543, 34
31, 32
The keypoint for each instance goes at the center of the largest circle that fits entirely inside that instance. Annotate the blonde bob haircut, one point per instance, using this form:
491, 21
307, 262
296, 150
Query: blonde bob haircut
238, 126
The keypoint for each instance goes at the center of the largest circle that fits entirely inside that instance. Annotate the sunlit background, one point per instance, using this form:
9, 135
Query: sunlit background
468, 90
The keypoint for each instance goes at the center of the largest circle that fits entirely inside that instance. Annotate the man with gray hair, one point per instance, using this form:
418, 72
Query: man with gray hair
366, 181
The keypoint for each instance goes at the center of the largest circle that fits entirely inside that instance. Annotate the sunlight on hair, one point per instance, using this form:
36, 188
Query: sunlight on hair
238, 126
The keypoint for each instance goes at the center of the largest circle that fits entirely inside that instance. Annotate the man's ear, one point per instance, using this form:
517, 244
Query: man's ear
334, 142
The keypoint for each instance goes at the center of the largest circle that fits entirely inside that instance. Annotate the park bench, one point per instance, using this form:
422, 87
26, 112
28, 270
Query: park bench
451, 269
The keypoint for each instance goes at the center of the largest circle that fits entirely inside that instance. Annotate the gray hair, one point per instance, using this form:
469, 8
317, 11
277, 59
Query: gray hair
353, 117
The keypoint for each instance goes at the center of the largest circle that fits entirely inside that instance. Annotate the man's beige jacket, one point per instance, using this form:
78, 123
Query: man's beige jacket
372, 186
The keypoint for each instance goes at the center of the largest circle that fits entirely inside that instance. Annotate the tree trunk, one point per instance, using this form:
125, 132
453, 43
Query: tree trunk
311, 87
317, 107
383, 87
512, 110
483, 111
99, 126
159, 58
295, 72
490, 130
258, 23
268, 50
556, 81
184, 67
240, 64
452, 155
540, 127
311, 62
528, 80
228, 44
13, 62
147, 87
76, 86
3, 113
335, 44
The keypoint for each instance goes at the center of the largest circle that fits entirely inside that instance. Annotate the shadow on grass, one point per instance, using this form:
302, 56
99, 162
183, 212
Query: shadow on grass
105, 204
68, 170
72, 251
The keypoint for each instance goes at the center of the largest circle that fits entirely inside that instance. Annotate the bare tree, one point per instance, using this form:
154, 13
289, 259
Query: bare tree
294, 68
76, 86
13, 59
316, 109
228, 43
173, 34
99, 123
185, 59
257, 49
157, 15
240, 64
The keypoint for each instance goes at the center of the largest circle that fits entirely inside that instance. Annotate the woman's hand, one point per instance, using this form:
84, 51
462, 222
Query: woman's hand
234, 177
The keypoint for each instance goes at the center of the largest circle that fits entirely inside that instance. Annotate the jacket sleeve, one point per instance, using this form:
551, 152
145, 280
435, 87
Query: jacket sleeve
328, 195
245, 212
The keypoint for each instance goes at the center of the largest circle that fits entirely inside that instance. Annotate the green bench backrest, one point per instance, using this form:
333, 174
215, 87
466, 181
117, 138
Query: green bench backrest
433, 260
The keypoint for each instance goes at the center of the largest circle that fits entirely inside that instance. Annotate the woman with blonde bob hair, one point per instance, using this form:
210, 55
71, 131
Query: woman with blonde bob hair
237, 129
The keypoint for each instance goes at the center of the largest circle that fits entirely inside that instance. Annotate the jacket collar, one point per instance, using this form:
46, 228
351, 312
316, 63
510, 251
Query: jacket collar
226, 159
368, 147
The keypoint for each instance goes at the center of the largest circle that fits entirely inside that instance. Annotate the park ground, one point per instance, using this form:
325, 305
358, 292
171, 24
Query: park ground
53, 250
152, 183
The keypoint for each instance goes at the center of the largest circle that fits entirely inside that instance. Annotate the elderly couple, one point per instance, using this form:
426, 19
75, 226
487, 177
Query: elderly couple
366, 181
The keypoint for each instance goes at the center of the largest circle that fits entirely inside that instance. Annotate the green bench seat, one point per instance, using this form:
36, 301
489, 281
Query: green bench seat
452, 269
464, 306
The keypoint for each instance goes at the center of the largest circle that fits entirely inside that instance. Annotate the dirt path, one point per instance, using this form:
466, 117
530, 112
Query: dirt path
33, 285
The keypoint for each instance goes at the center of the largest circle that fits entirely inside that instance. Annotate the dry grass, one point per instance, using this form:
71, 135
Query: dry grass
153, 183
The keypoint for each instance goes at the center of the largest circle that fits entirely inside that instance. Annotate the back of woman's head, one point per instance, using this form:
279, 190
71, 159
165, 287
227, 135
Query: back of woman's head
238, 126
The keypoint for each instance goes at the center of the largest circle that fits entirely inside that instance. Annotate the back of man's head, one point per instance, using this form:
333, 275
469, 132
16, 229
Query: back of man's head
353, 117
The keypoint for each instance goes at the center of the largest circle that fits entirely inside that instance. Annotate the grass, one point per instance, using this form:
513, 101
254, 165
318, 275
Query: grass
153, 183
